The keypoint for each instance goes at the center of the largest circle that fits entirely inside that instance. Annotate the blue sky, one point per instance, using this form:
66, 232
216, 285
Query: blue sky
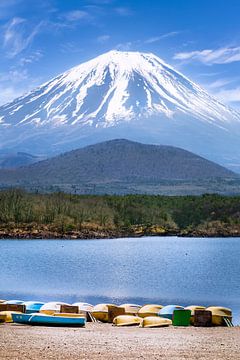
40, 39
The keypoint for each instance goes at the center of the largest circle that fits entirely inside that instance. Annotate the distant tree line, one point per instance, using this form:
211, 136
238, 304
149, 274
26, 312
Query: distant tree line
66, 213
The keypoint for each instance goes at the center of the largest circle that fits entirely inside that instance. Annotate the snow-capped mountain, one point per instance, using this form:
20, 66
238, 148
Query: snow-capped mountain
121, 94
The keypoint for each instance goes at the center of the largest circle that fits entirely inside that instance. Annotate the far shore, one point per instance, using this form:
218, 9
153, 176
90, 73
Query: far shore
101, 234
103, 341
106, 237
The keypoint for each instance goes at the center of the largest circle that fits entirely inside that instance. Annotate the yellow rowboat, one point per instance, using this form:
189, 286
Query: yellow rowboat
100, 312
218, 315
83, 306
193, 308
127, 320
51, 307
2, 318
155, 321
68, 315
8, 315
149, 310
131, 309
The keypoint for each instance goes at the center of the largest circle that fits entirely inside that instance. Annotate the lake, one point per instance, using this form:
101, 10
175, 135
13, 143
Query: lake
164, 270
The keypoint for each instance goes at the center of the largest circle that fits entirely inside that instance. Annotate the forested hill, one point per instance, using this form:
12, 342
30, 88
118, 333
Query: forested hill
117, 162
59, 215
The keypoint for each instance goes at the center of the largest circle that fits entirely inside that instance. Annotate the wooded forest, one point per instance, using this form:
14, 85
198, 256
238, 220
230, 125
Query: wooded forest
24, 214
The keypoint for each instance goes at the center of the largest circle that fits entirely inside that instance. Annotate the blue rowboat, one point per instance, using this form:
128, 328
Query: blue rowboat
33, 306
49, 320
167, 311
21, 319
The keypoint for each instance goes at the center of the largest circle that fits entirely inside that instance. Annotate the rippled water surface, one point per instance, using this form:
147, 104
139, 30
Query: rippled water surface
165, 270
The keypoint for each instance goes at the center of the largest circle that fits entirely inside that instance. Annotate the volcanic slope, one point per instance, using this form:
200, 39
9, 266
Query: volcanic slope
121, 95
117, 166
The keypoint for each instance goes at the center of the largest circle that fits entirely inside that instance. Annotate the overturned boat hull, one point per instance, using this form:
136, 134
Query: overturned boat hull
100, 312
155, 321
33, 306
8, 315
3, 318
127, 320
131, 309
48, 320
51, 307
219, 314
149, 310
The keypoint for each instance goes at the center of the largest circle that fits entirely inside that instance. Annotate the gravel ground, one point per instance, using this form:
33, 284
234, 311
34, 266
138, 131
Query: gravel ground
103, 341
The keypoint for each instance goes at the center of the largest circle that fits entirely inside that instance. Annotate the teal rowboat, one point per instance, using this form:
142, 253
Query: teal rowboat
33, 306
49, 320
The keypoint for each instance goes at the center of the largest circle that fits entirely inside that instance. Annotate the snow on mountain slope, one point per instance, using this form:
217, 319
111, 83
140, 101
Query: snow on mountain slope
114, 95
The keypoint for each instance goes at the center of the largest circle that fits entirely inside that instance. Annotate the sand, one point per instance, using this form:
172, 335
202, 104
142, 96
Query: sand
103, 341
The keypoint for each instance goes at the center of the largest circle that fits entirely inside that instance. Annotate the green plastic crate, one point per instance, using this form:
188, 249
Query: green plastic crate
181, 317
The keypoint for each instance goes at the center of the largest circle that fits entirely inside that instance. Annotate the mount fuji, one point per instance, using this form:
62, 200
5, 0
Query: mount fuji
129, 95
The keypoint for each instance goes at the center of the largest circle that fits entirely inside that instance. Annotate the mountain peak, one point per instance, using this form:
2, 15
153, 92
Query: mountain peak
117, 86
119, 54
119, 94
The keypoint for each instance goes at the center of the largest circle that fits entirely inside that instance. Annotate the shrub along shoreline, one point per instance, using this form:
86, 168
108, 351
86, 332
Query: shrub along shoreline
59, 215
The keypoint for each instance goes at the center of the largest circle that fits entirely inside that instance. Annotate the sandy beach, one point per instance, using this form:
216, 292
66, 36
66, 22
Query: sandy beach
103, 341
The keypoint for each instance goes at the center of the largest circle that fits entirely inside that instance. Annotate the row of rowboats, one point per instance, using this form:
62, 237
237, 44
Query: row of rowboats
150, 315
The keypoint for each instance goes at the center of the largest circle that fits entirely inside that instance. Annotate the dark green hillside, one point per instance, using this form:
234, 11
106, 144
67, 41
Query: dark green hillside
121, 166
27, 215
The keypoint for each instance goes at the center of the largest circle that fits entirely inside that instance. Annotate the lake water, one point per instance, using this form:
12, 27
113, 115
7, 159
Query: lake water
166, 270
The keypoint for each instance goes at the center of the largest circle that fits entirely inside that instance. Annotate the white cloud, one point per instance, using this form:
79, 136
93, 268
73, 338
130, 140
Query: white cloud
161, 37
103, 38
219, 83
8, 93
224, 55
123, 11
100, 2
229, 95
34, 57
17, 37
71, 47
209, 74
15, 82
76, 15
14, 76
124, 46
